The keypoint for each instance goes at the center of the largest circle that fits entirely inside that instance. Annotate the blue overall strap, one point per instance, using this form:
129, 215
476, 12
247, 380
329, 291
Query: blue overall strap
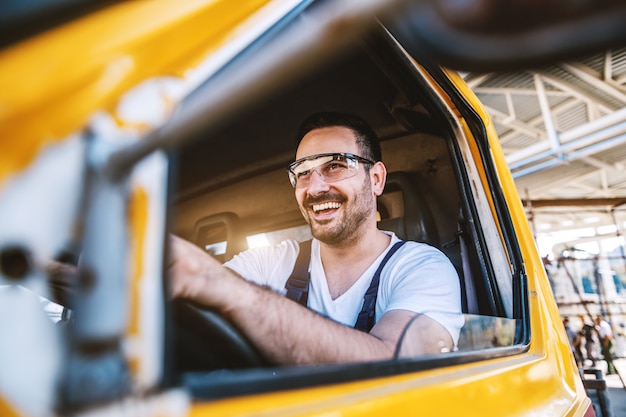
367, 316
297, 285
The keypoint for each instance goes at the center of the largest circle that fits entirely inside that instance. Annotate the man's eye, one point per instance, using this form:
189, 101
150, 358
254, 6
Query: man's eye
303, 174
333, 166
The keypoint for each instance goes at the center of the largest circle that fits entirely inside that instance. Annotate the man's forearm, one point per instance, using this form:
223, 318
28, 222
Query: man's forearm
288, 333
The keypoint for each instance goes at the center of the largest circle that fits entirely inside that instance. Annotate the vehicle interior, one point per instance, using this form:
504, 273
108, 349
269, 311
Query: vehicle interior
233, 193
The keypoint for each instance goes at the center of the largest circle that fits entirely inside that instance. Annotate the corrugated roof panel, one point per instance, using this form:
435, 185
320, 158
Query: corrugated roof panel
595, 62
526, 107
619, 62
584, 87
517, 141
615, 155
510, 80
572, 117
495, 101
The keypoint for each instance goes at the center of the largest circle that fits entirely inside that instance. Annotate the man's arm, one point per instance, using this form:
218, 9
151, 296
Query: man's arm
286, 332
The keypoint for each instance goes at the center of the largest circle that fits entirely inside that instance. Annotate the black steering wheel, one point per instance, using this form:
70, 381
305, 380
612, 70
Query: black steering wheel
204, 340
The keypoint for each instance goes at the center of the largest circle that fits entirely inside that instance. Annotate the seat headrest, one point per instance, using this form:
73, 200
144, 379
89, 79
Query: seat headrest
417, 222
226, 228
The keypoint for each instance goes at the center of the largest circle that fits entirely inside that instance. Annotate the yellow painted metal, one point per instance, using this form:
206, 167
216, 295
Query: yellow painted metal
526, 385
138, 222
6, 410
49, 90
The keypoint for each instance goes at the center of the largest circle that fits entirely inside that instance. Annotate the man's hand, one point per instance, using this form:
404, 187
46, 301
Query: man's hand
194, 274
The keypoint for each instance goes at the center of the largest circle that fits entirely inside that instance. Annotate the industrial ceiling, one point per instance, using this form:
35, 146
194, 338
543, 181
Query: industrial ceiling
563, 131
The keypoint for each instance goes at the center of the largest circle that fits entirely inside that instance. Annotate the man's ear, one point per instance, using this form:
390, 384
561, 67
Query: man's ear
378, 177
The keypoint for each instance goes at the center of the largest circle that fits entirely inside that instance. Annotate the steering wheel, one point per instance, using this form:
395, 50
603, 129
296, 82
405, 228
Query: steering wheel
204, 340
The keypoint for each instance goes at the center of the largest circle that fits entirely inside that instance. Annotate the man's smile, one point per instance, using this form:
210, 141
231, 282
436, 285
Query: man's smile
326, 206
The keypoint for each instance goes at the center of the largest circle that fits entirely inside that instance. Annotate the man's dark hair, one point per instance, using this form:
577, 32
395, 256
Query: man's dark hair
366, 138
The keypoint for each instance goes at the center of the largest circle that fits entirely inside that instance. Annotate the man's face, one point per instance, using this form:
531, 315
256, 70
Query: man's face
336, 211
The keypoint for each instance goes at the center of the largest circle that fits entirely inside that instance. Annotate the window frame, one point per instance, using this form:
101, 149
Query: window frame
260, 380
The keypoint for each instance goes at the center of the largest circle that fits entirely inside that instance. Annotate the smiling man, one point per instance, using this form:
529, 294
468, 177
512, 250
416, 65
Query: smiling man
364, 285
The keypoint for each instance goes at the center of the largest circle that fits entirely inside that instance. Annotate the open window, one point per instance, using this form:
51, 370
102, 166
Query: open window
233, 193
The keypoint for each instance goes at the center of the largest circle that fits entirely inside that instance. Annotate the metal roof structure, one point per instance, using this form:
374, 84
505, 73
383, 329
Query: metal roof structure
563, 130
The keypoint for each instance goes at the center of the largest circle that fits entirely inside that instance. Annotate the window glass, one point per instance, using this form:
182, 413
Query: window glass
299, 233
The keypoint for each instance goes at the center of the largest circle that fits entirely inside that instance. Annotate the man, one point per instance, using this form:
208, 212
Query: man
337, 175
587, 332
605, 334
574, 341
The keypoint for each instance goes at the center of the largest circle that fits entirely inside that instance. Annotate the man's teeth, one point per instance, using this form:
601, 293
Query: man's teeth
325, 206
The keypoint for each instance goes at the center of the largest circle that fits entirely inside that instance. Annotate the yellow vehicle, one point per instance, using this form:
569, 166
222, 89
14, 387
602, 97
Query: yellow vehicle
124, 122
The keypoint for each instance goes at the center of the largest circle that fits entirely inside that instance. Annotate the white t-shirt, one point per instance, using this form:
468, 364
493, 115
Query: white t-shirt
604, 330
418, 278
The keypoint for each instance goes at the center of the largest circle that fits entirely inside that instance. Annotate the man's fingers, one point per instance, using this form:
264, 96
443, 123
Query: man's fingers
187, 268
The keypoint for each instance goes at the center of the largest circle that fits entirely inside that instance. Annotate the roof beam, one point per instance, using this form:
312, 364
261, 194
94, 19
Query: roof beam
582, 136
574, 90
473, 80
500, 117
563, 106
517, 91
570, 156
576, 202
548, 121
595, 82
602, 165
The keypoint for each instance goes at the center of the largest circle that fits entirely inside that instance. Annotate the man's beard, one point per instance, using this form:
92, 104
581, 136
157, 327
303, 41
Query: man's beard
343, 229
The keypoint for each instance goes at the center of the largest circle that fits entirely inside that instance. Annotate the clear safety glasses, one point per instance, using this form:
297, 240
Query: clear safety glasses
330, 166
